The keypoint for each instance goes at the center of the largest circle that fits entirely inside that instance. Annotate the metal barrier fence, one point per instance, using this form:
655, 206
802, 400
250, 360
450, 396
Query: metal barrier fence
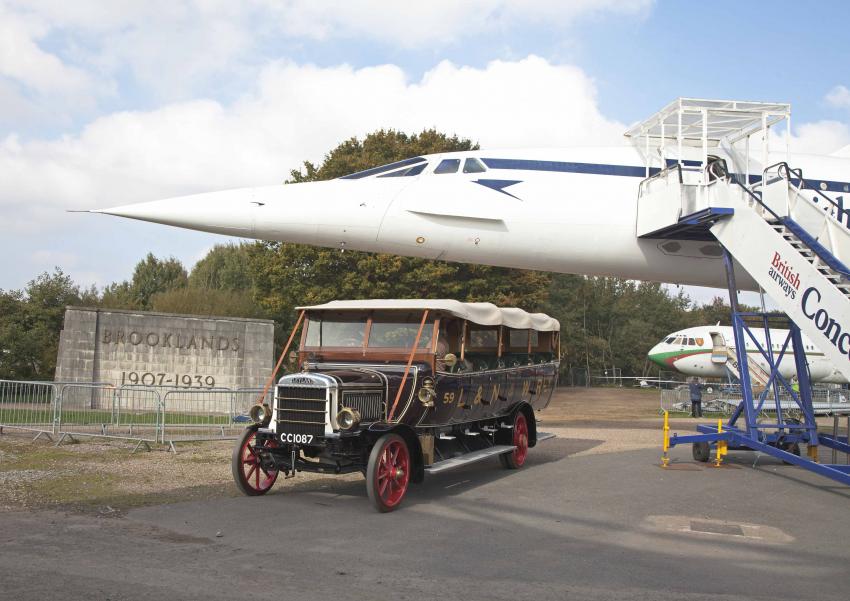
723, 399
199, 414
28, 406
144, 414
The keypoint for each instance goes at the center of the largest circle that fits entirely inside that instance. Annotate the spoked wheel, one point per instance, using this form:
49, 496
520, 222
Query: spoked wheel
516, 459
250, 476
388, 473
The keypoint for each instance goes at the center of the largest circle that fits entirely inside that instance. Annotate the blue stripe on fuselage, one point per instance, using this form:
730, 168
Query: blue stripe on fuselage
635, 171
564, 167
630, 170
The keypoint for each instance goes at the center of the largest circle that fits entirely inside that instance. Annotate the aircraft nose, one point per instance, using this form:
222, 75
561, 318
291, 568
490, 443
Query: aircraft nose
228, 212
657, 355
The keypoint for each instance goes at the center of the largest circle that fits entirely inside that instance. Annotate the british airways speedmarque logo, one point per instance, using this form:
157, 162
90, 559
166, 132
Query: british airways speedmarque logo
783, 274
499, 185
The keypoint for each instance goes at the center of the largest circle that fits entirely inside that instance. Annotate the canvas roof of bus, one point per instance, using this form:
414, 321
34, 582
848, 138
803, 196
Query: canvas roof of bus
486, 314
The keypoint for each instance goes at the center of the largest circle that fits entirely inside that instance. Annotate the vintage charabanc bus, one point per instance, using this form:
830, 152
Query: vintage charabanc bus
396, 389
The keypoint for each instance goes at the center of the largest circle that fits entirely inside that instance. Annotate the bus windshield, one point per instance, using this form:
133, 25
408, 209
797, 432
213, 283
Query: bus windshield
335, 332
384, 332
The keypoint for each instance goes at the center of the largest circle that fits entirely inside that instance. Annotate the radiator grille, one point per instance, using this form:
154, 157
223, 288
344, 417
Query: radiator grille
301, 410
370, 404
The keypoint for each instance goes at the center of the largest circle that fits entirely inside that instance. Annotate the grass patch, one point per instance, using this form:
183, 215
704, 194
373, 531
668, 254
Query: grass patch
95, 417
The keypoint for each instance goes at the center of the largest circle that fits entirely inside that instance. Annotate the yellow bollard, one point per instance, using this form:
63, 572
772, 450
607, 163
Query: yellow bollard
722, 447
665, 460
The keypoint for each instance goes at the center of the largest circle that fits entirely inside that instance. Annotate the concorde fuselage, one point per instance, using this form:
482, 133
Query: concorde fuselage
563, 210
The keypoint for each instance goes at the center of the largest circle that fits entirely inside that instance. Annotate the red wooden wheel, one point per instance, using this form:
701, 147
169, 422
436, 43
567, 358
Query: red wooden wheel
388, 472
516, 459
250, 476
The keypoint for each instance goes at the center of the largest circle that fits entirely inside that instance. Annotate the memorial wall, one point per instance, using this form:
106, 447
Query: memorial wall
162, 349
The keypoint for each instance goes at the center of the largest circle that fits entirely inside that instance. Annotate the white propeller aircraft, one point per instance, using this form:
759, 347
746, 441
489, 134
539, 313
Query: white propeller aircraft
709, 352
585, 210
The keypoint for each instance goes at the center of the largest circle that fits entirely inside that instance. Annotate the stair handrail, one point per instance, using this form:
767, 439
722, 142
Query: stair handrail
733, 178
798, 173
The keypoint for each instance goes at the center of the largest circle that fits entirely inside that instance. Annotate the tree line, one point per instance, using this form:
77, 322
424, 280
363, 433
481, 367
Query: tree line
606, 322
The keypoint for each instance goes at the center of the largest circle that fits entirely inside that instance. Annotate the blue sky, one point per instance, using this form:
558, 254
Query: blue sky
103, 104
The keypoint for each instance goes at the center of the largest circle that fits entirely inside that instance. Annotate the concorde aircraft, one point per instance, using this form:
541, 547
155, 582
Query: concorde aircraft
708, 352
565, 210
652, 210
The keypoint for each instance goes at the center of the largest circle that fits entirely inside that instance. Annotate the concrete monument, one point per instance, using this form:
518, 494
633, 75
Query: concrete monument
164, 349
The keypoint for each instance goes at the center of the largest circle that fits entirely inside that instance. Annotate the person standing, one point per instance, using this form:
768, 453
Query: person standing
696, 397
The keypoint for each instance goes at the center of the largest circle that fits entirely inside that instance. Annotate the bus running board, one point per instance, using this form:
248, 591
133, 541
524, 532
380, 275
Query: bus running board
467, 458
450, 464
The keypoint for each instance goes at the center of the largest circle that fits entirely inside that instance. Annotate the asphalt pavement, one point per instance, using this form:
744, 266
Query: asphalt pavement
567, 525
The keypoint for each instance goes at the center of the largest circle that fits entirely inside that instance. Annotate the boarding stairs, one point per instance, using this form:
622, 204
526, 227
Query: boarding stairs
758, 376
795, 246
788, 236
796, 249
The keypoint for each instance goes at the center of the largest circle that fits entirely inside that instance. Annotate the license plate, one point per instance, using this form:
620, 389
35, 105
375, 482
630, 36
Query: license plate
290, 438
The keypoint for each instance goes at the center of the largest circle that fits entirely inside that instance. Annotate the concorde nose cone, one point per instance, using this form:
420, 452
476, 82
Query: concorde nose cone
336, 213
229, 212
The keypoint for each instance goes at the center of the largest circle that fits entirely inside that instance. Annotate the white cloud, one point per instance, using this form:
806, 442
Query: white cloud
22, 60
820, 137
839, 97
46, 258
295, 112
414, 24
171, 49
816, 137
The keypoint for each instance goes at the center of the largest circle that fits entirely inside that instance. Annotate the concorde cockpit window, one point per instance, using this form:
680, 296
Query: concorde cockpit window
447, 166
385, 168
473, 166
335, 332
406, 172
399, 333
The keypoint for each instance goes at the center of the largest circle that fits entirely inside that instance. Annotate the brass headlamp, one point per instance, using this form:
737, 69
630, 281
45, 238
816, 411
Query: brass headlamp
261, 414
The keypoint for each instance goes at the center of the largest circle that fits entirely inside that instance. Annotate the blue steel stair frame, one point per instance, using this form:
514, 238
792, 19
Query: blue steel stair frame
771, 438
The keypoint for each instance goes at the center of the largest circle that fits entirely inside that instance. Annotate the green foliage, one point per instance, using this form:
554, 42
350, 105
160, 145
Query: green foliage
287, 275
151, 276
716, 312
154, 275
118, 296
30, 321
222, 269
204, 301
611, 322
